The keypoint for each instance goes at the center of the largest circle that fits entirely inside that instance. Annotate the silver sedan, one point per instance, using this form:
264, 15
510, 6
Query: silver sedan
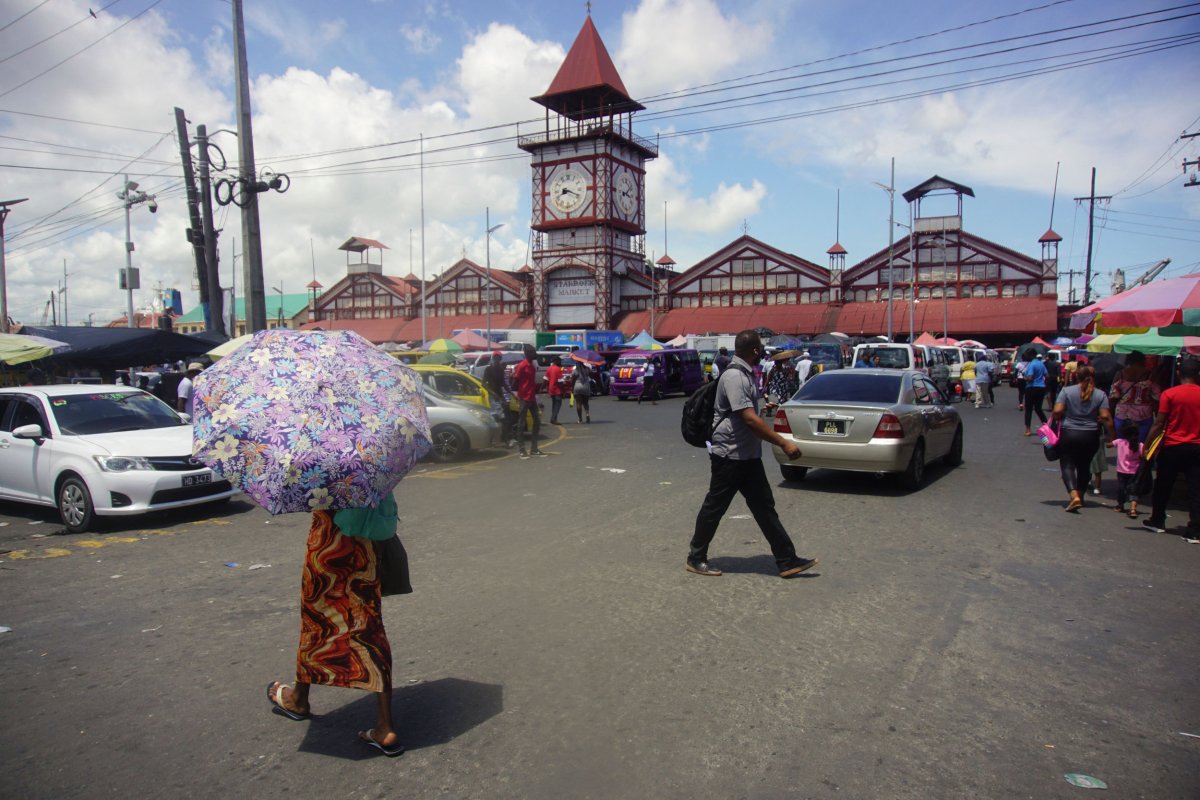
869, 420
457, 427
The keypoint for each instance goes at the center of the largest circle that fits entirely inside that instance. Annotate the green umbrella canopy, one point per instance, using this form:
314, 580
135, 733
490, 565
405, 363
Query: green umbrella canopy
18, 349
442, 357
443, 346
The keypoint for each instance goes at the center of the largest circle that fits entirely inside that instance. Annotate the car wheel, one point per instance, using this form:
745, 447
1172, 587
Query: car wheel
622, 398
914, 475
449, 444
75, 505
791, 473
954, 457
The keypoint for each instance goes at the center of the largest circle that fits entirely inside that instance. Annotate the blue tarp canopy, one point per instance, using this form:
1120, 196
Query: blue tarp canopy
119, 348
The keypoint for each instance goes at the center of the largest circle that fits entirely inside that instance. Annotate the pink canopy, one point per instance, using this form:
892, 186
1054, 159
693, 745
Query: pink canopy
1174, 301
472, 341
926, 338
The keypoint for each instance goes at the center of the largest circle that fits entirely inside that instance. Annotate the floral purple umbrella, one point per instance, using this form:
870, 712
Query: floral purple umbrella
310, 420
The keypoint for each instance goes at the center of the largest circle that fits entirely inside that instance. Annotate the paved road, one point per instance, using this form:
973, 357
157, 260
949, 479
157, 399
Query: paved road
968, 640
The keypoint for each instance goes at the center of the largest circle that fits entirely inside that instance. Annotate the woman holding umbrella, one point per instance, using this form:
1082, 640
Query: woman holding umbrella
323, 422
342, 638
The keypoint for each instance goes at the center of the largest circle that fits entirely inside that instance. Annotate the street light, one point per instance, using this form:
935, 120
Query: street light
891, 190
279, 291
490, 229
131, 197
4, 207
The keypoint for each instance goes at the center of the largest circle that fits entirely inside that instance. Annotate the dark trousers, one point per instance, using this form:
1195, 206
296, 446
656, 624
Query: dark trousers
1125, 488
1173, 460
991, 387
730, 476
1052, 391
1034, 395
1075, 452
529, 407
1020, 384
555, 407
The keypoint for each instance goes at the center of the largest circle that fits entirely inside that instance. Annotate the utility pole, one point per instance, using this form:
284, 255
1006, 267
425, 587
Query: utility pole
211, 276
256, 302
1087, 273
5, 206
1071, 273
62, 295
194, 234
1192, 181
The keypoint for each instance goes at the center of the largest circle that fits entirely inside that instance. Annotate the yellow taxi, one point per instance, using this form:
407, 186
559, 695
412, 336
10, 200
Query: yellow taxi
453, 383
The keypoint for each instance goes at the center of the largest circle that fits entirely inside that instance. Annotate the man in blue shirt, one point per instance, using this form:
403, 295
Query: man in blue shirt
1035, 388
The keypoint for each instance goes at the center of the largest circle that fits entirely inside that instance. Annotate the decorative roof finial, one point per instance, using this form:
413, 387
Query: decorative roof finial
589, 7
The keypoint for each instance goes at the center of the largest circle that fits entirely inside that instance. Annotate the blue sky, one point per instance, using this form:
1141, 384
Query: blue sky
354, 76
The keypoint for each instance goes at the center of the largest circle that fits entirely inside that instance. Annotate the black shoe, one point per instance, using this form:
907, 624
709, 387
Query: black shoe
1153, 528
797, 566
702, 568
538, 453
524, 455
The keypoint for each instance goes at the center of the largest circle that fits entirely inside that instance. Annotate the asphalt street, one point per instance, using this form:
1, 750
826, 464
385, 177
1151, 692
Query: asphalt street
966, 640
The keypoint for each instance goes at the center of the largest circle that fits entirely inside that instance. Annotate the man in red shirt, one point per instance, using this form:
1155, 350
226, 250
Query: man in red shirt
553, 376
525, 380
1178, 419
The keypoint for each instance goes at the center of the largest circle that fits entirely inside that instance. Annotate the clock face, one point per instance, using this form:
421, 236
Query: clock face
568, 190
626, 193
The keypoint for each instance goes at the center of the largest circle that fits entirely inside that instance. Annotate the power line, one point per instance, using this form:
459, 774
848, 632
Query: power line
82, 50
23, 16
59, 33
78, 121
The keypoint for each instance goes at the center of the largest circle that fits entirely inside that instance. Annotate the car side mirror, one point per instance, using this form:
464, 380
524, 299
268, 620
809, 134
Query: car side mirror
32, 431
183, 415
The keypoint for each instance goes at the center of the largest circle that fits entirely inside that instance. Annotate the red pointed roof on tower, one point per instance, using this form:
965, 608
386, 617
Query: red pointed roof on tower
587, 84
836, 250
1050, 236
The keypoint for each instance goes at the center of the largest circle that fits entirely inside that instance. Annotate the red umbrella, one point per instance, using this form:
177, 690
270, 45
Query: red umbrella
1174, 301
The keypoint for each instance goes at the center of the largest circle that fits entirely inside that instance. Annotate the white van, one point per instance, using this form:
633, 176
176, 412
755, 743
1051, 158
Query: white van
954, 360
895, 356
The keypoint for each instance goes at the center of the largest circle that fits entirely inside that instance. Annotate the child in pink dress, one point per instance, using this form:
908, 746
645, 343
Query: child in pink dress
1129, 456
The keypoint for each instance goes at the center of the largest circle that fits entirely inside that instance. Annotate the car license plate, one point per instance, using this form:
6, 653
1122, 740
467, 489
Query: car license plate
196, 480
831, 427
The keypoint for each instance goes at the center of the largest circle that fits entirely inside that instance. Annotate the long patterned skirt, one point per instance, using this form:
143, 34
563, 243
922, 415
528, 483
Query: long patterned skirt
342, 640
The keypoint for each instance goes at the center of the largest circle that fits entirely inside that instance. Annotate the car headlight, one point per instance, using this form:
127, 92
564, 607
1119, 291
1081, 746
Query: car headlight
122, 463
482, 415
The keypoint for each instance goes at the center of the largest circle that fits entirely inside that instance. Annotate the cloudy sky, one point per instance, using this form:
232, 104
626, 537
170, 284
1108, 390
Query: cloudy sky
764, 110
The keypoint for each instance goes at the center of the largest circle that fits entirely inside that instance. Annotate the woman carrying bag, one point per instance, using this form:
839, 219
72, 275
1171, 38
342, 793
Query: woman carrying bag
581, 392
1080, 412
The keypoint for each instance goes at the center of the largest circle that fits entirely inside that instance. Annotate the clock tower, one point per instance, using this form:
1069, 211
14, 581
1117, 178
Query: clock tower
589, 190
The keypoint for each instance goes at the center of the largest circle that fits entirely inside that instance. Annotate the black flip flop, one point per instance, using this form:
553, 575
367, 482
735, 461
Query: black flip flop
368, 737
277, 706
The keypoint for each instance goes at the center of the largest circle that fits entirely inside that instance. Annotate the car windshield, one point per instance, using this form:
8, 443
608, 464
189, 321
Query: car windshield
630, 361
825, 354
849, 386
893, 357
111, 412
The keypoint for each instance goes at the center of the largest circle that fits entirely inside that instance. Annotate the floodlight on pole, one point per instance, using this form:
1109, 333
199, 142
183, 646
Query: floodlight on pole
130, 197
489, 229
5, 205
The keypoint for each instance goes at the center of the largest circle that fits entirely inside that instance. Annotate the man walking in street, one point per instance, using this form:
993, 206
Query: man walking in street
184, 394
1178, 419
493, 381
804, 367
1053, 378
649, 387
525, 378
553, 376
720, 363
983, 383
735, 460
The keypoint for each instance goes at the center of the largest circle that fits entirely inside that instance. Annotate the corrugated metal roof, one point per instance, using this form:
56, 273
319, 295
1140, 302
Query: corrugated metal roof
293, 304
380, 331
357, 244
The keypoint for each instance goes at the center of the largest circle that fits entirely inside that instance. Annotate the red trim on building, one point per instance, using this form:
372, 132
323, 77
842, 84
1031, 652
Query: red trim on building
380, 331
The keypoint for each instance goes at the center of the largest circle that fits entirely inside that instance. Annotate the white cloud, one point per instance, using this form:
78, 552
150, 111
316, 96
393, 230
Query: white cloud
661, 46
719, 213
295, 34
421, 40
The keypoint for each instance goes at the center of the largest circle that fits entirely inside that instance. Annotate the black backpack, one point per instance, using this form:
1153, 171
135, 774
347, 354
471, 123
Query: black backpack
697, 423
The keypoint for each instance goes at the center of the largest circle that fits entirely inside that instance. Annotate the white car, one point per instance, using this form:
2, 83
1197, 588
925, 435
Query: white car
99, 451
